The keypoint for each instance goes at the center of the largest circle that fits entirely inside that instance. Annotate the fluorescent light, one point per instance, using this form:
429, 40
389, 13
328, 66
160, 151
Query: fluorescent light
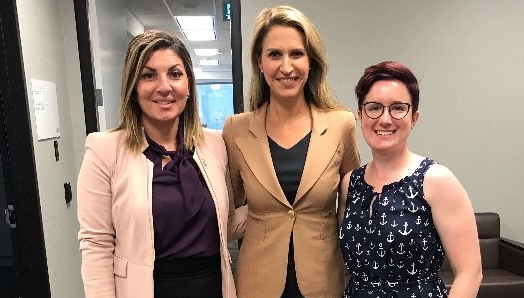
210, 62
196, 22
206, 52
200, 35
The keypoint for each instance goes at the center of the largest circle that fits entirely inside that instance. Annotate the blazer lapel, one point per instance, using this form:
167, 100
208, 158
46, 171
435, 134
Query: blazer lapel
258, 157
322, 146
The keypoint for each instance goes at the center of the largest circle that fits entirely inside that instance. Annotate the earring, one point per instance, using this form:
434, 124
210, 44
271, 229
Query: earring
188, 96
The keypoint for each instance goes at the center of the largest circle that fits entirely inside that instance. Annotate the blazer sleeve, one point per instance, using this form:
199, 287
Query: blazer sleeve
237, 185
97, 234
351, 156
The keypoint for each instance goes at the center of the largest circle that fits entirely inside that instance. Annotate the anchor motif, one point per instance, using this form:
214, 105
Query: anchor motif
355, 201
401, 213
413, 295
413, 271
381, 253
402, 251
349, 226
394, 224
411, 195
424, 247
357, 228
392, 284
426, 223
358, 263
405, 232
370, 230
418, 221
375, 284
372, 246
358, 252
413, 209
385, 201
375, 265
392, 208
390, 237
384, 221
400, 264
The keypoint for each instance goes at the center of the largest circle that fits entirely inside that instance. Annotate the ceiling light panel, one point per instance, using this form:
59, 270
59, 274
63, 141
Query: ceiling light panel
208, 62
206, 52
196, 22
200, 35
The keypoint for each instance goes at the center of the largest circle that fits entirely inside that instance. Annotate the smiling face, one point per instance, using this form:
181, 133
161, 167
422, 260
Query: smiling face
162, 89
386, 133
284, 62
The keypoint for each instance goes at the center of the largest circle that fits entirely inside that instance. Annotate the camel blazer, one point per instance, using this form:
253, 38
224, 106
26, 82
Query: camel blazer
262, 262
115, 214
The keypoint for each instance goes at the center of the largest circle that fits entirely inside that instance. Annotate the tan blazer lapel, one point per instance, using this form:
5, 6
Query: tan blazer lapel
258, 157
322, 146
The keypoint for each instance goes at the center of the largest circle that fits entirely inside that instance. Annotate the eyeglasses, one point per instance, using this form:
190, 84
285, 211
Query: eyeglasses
397, 110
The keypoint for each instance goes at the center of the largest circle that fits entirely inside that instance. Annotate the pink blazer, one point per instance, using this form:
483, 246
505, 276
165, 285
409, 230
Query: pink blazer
116, 221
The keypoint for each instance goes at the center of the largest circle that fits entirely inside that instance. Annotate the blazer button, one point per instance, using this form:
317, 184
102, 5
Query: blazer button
291, 213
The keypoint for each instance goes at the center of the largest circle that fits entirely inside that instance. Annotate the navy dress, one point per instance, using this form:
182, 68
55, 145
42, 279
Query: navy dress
397, 252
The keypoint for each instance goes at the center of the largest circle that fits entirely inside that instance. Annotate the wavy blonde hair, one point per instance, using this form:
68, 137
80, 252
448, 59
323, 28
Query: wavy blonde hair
317, 89
138, 52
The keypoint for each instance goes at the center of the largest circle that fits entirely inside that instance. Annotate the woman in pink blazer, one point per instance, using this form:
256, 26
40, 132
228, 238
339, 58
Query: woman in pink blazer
153, 202
286, 159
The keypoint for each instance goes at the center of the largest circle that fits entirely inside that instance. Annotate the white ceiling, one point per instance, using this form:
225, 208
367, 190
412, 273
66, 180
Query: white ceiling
158, 14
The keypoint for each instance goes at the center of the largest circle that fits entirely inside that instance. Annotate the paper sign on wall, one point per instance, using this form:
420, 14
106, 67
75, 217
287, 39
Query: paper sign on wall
46, 109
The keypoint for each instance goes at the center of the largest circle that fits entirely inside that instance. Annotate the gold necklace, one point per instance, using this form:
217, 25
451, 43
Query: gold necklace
171, 147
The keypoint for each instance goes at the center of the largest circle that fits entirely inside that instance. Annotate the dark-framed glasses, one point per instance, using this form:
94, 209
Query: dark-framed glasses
397, 110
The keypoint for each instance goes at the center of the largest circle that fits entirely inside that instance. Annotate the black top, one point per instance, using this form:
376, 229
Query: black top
289, 164
184, 215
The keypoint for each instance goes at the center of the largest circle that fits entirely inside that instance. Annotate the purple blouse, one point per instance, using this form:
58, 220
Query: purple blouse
184, 215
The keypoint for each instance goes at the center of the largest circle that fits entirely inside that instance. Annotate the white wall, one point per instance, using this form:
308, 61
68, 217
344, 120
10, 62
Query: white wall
50, 53
469, 58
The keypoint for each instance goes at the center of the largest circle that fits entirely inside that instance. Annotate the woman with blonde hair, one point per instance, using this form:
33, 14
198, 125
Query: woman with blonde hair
287, 155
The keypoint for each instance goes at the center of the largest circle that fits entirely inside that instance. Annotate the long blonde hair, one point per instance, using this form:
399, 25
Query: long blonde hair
317, 90
138, 52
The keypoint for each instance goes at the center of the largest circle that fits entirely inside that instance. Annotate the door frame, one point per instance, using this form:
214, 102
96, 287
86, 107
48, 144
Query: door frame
18, 162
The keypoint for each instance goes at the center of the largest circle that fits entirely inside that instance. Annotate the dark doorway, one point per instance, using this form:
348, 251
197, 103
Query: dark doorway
26, 274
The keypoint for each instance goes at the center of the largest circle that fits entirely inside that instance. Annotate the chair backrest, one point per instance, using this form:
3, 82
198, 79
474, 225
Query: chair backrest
488, 226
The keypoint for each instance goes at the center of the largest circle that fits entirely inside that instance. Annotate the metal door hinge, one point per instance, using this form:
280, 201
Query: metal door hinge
10, 216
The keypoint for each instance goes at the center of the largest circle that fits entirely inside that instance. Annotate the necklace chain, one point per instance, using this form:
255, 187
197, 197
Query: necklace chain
171, 147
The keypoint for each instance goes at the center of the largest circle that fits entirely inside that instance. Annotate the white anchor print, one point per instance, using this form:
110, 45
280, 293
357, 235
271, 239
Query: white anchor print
384, 221
394, 224
402, 251
412, 271
392, 284
390, 237
413, 208
358, 252
411, 195
418, 221
424, 247
405, 232
385, 201
375, 265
